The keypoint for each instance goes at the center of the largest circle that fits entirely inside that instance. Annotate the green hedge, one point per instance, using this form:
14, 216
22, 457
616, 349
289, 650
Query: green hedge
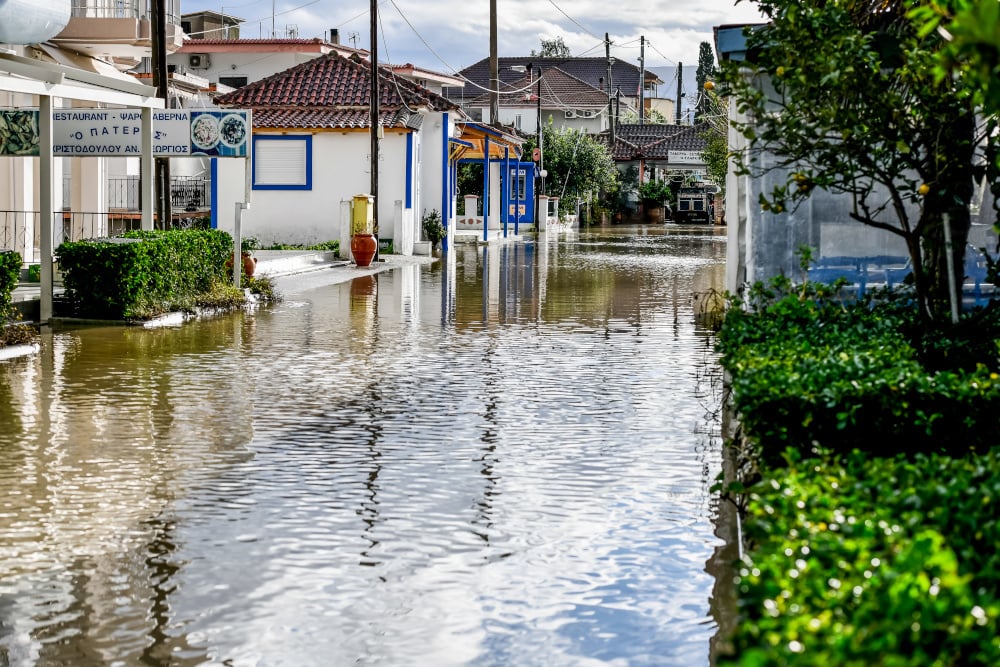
10, 273
860, 561
808, 370
143, 274
870, 517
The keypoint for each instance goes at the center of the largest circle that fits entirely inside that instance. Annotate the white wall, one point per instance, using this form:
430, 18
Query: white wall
431, 155
254, 66
340, 170
529, 119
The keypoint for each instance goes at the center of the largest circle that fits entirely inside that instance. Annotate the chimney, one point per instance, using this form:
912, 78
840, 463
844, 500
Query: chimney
334, 36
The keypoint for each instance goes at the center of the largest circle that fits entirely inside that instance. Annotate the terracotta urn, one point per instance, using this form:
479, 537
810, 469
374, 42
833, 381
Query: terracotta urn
363, 247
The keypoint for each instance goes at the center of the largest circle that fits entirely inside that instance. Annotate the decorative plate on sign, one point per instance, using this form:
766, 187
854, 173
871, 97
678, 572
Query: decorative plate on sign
205, 132
232, 130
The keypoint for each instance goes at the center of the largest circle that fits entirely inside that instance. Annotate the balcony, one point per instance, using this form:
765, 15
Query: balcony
118, 28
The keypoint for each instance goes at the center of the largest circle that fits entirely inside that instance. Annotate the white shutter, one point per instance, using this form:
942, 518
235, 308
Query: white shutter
281, 162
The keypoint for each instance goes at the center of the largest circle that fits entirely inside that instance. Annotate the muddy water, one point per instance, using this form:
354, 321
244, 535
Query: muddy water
503, 459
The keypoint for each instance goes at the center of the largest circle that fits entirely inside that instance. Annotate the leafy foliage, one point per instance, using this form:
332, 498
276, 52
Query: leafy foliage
863, 561
579, 167
705, 72
144, 274
12, 331
843, 96
434, 230
809, 370
10, 271
553, 48
656, 192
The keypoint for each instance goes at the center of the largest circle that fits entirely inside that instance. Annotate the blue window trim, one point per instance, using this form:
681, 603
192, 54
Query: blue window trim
308, 138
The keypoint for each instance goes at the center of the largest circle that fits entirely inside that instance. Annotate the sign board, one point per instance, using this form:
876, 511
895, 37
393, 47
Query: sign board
685, 157
118, 132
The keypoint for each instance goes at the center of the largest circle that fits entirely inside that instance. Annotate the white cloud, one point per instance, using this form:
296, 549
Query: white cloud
457, 33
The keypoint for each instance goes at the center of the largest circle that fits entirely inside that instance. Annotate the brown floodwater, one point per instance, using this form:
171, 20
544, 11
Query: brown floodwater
501, 459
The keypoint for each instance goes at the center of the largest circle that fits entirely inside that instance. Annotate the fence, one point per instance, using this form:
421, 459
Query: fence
187, 193
20, 230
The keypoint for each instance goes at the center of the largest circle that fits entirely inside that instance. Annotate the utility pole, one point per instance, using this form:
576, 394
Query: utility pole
680, 78
541, 149
642, 79
161, 177
494, 68
614, 121
374, 120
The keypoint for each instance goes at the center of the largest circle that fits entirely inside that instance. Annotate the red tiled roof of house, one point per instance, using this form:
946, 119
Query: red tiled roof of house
278, 118
331, 82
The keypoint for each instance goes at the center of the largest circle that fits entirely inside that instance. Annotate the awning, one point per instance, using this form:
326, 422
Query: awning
502, 144
37, 77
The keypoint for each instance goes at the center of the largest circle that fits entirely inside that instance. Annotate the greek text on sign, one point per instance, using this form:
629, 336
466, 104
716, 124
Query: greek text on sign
685, 157
176, 132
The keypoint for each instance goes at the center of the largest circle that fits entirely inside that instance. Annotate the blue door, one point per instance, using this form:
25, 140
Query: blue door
519, 190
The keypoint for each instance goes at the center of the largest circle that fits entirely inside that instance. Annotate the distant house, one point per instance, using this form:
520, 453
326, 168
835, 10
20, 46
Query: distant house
658, 152
656, 148
311, 153
624, 81
551, 96
237, 62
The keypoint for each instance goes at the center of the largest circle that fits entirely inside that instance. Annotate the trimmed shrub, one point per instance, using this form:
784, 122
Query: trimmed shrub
866, 561
810, 371
143, 274
10, 272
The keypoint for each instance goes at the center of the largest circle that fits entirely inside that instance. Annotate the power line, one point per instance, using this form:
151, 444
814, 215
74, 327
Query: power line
573, 20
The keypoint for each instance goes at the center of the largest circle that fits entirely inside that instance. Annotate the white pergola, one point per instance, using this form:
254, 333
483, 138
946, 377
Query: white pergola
49, 80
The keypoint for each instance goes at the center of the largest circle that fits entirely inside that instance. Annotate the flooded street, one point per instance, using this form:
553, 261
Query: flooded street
502, 459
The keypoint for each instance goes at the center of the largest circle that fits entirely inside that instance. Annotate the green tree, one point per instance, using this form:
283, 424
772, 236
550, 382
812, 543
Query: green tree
856, 107
579, 168
715, 132
652, 117
971, 56
705, 72
553, 48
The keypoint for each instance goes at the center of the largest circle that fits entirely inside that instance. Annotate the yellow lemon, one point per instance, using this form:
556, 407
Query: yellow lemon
924, 189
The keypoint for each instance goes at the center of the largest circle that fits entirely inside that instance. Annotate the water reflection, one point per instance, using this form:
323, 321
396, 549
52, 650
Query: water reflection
502, 459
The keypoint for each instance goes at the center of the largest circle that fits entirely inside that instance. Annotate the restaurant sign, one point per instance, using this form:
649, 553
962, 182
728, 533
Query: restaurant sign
118, 132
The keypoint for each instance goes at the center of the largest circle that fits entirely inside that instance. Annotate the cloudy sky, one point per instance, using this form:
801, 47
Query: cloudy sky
448, 35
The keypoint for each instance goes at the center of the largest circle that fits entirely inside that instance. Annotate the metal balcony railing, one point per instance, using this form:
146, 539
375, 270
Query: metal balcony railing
190, 194
123, 9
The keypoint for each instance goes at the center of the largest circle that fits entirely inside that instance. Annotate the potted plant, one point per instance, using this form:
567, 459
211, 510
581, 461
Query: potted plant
434, 230
653, 195
247, 246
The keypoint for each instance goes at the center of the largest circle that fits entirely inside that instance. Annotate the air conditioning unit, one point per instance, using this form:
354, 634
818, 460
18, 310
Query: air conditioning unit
198, 60
570, 113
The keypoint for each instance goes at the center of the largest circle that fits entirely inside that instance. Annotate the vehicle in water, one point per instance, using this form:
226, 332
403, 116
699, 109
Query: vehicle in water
694, 204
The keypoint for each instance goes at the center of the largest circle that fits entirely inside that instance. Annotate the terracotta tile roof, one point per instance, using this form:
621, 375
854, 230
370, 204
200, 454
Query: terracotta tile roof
559, 90
277, 118
653, 141
330, 83
193, 42
592, 71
